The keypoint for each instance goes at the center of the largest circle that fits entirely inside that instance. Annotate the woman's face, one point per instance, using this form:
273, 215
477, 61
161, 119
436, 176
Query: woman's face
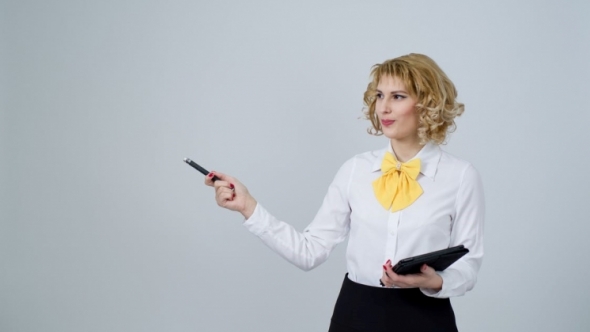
395, 109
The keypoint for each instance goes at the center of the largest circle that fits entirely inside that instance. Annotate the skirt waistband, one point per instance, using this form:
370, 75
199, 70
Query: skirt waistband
389, 296
367, 308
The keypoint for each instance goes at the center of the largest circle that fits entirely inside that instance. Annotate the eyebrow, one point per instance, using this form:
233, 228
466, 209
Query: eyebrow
393, 92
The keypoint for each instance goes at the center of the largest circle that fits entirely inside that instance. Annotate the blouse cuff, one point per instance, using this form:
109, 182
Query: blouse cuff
258, 221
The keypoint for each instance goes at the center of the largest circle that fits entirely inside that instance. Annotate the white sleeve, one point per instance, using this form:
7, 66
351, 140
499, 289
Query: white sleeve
330, 226
468, 227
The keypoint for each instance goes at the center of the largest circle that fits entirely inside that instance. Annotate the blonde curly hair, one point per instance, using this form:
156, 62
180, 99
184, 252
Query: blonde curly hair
429, 85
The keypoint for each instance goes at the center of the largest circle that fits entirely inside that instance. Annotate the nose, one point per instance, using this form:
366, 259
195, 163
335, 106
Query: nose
383, 108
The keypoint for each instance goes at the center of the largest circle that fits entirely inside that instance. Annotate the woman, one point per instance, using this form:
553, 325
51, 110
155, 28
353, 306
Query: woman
404, 200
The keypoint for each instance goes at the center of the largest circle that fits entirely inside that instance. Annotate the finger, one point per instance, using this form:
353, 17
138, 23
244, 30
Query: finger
417, 279
224, 181
221, 184
209, 179
385, 279
223, 192
386, 266
389, 271
427, 270
386, 276
223, 177
224, 197
396, 279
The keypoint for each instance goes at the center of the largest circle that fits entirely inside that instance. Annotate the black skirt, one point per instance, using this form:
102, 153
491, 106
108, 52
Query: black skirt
362, 308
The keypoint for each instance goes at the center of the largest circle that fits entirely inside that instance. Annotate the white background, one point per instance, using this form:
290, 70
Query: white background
104, 228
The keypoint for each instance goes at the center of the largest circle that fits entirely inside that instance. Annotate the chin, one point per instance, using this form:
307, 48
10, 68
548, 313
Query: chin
390, 135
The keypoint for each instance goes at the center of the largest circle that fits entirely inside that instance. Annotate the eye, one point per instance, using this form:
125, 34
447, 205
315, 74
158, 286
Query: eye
399, 97
379, 95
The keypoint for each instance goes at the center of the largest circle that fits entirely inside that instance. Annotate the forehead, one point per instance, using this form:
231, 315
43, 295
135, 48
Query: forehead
390, 83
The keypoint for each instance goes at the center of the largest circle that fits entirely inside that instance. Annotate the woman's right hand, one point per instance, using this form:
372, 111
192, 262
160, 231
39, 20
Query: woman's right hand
231, 194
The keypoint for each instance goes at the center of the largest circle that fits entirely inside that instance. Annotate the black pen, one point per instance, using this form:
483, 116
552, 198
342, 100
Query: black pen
199, 168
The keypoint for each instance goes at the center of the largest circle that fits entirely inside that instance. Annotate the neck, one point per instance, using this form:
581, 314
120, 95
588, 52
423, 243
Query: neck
405, 150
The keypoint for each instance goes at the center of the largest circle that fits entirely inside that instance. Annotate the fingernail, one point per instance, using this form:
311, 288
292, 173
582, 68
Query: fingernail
210, 175
231, 185
384, 267
234, 195
388, 261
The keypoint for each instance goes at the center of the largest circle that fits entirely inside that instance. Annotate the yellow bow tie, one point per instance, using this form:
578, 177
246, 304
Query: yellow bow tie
397, 188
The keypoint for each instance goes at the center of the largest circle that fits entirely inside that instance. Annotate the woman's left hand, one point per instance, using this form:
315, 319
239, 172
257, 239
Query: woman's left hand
427, 278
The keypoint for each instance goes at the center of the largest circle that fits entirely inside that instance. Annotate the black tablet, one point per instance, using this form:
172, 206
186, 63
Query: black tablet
438, 260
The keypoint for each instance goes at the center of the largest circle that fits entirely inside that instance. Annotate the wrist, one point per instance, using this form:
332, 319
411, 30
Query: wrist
436, 283
249, 207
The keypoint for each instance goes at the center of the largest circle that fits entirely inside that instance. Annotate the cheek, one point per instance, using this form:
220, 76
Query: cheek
413, 119
408, 111
409, 121
408, 116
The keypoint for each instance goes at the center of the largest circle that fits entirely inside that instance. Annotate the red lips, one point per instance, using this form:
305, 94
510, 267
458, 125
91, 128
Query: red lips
387, 122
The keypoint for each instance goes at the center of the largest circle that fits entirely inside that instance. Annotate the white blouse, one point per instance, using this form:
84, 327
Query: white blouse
450, 212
